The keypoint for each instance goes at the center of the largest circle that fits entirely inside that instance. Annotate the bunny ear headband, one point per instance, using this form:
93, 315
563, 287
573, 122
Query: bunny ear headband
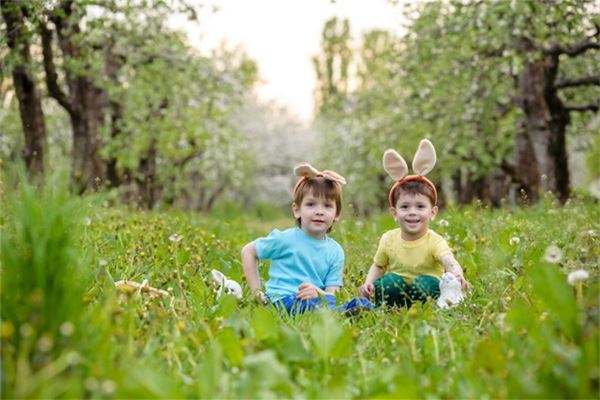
306, 171
423, 163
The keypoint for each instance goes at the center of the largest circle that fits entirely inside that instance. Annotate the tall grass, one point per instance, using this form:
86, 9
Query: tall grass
43, 280
521, 333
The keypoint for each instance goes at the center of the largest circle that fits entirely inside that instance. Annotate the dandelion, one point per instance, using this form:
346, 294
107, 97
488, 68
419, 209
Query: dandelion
45, 344
577, 276
175, 238
90, 383
26, 330
553, 254
444, 223
87, 221
592, 233
67, 328
102, 262
515, 240
73, 358
109, 386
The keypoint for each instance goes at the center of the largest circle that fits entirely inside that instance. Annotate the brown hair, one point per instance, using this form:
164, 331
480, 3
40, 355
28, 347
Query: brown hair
319, 187
413, 187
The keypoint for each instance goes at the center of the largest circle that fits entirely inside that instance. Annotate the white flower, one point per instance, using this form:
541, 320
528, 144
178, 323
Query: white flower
45, 344
553, 254
577, 276
67, 328
90, 383
514, 240
444, 223
592, 233
108, 386
87, 221
175, 238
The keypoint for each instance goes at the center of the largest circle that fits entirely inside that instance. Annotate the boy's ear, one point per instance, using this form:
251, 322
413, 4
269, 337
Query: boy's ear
295, 210
434, 211
392, 211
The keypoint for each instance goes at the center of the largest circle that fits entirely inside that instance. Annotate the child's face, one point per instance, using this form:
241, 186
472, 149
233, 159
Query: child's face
316, 214
413, 212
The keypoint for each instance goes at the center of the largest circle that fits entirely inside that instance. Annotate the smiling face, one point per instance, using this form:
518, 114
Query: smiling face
316, 214
413, 212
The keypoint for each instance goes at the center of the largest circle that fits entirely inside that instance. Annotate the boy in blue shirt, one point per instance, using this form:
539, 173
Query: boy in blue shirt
306, 264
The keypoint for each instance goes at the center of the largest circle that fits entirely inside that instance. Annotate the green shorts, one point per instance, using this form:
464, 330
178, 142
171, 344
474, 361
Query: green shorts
392, 290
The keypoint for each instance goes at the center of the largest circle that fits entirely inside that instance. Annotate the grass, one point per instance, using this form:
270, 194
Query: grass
522, 332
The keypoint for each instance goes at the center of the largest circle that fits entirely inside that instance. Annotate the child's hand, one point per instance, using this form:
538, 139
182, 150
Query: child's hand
259, 295
367, 290
308, 291
463, 282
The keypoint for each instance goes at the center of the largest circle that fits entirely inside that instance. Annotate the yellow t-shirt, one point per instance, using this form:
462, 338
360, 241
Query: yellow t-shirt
410, 258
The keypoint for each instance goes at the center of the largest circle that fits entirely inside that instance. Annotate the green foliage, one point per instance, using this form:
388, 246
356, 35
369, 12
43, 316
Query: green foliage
452, 78
520, 333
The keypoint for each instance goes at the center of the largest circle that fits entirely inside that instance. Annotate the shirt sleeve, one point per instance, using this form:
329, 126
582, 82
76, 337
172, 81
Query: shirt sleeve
269, 247
336, 270
382, 258
440, 247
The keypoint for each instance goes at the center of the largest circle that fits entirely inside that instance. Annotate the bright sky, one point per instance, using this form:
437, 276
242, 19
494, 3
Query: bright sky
283, 35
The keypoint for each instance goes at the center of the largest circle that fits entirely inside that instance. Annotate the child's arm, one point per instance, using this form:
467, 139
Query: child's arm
250, 264
368, 288
451, 265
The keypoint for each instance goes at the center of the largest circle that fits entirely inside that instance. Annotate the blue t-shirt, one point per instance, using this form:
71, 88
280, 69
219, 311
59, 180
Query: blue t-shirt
296, 257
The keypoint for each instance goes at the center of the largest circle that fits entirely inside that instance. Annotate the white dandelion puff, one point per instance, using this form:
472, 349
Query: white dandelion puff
67, 328
444, 223
87, 221
175, 238
577, 276
108, 386
515, 240
553, 254
592, 233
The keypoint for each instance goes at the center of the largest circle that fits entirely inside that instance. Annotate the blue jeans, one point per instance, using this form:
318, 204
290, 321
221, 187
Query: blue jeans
294, 306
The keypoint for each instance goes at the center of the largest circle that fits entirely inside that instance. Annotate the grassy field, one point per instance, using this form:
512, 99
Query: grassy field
522, 332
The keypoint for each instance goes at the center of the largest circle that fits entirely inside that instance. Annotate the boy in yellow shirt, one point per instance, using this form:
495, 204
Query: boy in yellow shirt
410, 260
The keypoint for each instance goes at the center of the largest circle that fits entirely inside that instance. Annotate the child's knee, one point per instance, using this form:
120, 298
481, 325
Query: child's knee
427, 286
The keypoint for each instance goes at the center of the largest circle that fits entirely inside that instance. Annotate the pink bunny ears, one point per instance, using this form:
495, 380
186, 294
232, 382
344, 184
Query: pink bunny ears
306, 171
397, 169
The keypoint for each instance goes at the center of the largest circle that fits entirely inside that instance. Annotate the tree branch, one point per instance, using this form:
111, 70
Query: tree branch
586, 81
587, 107
51, 76
573, 50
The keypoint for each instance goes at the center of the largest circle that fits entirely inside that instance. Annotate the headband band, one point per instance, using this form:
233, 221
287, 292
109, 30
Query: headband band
408, 179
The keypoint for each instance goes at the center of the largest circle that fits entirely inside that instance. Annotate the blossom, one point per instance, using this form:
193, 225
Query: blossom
175, 238
553, 254
592, 233
514, 240
577, 276
444, 223
87, 221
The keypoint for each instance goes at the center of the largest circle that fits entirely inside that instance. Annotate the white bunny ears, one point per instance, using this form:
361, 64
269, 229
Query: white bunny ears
306, 171
422, 164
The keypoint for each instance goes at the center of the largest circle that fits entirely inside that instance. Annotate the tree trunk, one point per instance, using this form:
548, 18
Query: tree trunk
85, 102
526, 173
546, 119
28, 95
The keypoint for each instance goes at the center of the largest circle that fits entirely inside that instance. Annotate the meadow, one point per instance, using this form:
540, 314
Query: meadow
523, 332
